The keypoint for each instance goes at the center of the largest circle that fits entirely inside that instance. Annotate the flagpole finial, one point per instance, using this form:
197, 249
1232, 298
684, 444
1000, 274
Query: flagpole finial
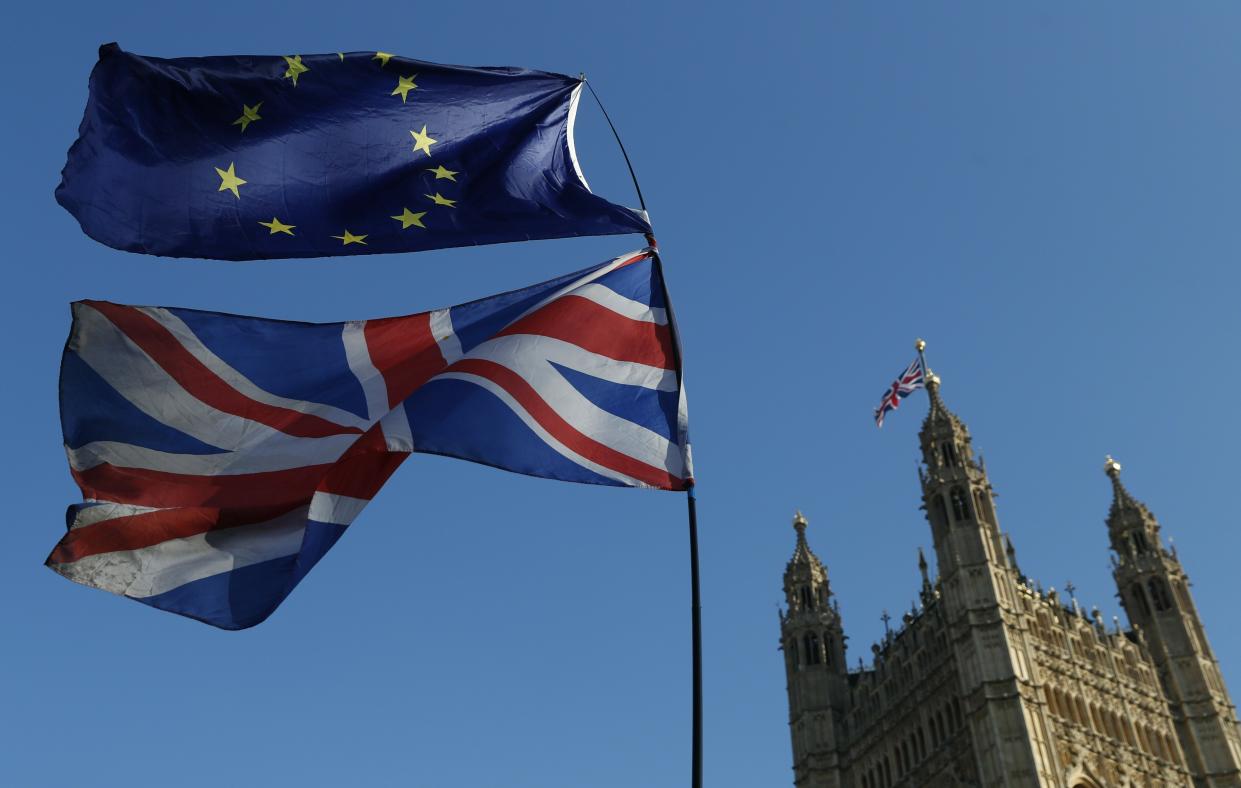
1111, 467
800, 522
919, 345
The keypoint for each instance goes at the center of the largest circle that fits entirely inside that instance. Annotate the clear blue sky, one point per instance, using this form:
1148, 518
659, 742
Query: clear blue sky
1048, 193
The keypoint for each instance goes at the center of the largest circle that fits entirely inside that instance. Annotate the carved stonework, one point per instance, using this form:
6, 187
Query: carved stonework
990, 681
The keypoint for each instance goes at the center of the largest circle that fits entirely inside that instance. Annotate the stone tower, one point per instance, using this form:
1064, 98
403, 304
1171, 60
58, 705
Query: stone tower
976, 581
1154, 590
991, 681
812, 638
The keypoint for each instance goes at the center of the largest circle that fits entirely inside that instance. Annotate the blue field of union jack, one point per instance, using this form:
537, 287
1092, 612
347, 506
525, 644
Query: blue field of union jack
221, 456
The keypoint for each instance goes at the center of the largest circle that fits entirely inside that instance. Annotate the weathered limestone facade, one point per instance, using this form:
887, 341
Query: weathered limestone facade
991, 681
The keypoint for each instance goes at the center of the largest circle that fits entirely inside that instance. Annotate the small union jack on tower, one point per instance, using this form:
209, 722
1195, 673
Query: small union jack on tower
912, 379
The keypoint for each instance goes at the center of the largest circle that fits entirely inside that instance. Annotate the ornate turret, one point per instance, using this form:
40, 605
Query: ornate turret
1154, 590
977, 577
956, 493
813, 641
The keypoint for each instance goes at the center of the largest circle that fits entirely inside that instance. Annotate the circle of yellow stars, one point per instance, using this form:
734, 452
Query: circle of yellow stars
230, 181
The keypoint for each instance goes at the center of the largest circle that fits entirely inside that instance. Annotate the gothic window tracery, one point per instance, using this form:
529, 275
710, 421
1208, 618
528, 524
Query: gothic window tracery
1139, 542
1159, 594
948, 453
807, 601
813, 652
960, 504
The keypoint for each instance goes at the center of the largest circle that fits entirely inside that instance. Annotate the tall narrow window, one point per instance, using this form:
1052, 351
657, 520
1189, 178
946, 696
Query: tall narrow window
807, 601
940, 511
960, 504
812, 649
793, 652
1159, 594
948, 454
827, 649
1139, 599
1139, 542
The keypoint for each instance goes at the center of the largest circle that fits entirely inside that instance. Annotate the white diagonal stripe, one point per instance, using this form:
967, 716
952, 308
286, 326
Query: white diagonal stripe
139, 379
148, 571
335, 509
89, 515
527, 355
543, 434
608, 298
177, 327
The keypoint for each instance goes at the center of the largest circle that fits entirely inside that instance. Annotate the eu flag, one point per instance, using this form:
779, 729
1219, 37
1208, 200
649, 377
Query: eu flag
244, 158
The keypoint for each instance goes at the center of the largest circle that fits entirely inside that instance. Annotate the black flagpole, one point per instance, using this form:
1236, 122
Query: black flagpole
695, 596
696, 616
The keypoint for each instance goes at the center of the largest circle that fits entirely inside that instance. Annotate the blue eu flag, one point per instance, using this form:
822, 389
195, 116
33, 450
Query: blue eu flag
244, 158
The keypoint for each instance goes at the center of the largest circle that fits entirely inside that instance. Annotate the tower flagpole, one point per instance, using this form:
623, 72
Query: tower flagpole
920, 346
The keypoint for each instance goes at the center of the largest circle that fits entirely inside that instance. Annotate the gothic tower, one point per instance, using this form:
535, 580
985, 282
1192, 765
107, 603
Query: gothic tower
978, 582
812, 638
1154, 590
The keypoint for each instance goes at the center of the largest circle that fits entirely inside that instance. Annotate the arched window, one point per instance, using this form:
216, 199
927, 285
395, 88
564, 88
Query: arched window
1139, 542
827, 649
949, 455
1139, 599
807, 601
1159, 594
979, 506
960, 504
812, 649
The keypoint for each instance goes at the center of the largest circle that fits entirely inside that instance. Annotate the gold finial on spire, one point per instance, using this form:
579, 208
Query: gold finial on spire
1111, 467
919, 345
800, 521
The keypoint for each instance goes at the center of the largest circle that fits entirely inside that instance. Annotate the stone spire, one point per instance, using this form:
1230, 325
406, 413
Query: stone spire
802, 554
813, 641
928, 590
1154, 591
1134, 531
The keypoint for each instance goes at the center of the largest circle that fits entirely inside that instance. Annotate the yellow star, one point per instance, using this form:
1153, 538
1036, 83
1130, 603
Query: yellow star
276, 226
403, 86
423, 141
295, 68
410, 219
383, 58
350, 238
443, 172
229, 180
440, 199
248, 115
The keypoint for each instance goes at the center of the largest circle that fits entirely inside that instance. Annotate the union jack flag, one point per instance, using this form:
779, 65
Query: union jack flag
912, 379
221, 456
